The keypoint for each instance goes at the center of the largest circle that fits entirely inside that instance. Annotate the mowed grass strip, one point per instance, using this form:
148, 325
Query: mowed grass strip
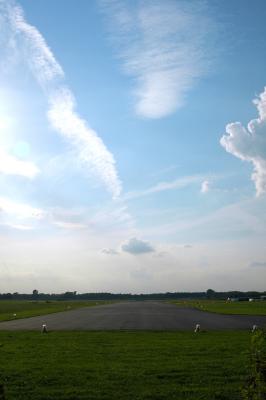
226, 307
25, 308
123, 365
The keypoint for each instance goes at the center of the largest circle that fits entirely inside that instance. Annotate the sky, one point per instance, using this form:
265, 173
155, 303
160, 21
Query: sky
132, 145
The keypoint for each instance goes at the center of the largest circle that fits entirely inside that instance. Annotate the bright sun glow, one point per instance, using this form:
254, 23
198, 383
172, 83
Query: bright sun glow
21, 149
5, 123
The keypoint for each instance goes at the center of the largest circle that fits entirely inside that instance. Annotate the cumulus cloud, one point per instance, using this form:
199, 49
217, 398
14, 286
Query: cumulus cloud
163, 46
11, 165
92, 153
137, 246
205, 187
249, 144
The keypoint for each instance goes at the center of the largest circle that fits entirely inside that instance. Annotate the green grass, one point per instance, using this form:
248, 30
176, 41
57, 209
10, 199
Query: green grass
25, 309
123, 365
224, 307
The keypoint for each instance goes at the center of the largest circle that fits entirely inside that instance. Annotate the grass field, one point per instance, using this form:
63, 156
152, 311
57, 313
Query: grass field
25, 309
123, 365
224, 307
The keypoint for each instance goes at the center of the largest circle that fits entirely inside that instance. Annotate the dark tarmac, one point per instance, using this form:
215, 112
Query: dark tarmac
135, 315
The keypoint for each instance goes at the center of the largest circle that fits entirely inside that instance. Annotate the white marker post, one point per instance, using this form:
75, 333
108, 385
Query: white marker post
197, 328
254, 328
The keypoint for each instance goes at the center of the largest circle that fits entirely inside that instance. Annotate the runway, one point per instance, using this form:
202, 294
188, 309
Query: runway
135, 315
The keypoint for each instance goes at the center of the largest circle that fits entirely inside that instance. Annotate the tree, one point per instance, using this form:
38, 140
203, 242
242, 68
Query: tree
35, 294
69, 295
210, 294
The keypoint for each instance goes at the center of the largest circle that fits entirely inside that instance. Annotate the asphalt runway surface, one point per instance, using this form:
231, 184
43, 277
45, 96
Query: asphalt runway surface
135, 315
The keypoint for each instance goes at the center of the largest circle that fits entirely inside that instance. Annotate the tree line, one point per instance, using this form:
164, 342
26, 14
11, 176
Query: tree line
208, 294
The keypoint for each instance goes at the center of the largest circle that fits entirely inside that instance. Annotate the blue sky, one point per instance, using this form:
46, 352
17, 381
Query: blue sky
132, 145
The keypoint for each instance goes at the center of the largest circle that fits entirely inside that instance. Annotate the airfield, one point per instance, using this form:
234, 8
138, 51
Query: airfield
135, 315
143, 350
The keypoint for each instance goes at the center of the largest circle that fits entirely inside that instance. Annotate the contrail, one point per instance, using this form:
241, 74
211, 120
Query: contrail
92, 152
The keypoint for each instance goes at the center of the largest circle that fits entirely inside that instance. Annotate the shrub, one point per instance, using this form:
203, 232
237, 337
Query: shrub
255, 387
2, 392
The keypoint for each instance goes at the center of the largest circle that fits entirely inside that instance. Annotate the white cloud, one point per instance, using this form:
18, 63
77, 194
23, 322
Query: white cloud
163, 186
39, 56
92, 153
20, 210
11, 165
249, 144
20, 227
240, 219
111, 252
205, 187
137, 246
112, 217
69, 219
163, 46
69, 225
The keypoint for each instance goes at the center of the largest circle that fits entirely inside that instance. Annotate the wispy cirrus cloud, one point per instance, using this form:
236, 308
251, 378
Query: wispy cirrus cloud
243, 217
164, 46
163, 186
11, 165
249, 144
70, 225
19, 227
92, 152
20, 210
13, 212
41, 59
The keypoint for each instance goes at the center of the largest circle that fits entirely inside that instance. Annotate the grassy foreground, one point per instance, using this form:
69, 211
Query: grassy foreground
25, 309
224, 307
123, 365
